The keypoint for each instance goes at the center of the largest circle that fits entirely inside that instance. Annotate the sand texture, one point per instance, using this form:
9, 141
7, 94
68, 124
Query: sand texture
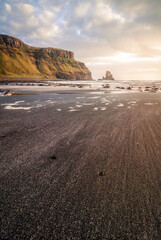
81, 166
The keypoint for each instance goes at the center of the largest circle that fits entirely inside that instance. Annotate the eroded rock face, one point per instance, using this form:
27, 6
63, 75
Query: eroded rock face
58, 52
108, 76
11, 41
21, 60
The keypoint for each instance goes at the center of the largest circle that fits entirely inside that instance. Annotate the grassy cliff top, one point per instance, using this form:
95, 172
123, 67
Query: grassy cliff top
18, 59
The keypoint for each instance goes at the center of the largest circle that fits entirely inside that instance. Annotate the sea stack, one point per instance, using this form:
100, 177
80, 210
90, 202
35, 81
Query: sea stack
108, 76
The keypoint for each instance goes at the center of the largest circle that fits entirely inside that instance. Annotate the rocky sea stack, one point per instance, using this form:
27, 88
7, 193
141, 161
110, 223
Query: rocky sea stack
108, 76
19, 60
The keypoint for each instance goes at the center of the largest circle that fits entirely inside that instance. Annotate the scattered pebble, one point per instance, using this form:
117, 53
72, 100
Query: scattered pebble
101, 174
3, 136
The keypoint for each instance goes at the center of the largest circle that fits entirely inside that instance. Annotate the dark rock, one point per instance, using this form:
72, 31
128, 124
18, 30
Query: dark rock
129, 88
106, 86
3, 136
6, 93
53, 157
101, 174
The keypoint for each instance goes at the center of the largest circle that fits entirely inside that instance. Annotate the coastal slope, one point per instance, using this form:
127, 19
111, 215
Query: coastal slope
19, 60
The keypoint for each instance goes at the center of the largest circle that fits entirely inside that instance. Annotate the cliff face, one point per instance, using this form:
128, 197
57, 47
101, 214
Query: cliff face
18, 59
11, 41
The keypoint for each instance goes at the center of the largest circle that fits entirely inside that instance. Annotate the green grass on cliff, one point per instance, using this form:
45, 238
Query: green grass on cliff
15, 62
28, 62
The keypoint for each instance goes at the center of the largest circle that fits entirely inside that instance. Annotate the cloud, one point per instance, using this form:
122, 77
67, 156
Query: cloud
45, 33
8, 7
25, 9
104, 13
82, 9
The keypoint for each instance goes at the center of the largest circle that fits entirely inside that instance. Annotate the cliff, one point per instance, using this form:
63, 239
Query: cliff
108, 76
20, 60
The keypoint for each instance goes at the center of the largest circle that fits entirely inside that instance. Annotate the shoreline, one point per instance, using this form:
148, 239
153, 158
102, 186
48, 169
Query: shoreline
36, 80
66, 85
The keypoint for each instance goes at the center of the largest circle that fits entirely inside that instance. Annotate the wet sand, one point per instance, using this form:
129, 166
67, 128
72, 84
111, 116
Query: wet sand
91, 171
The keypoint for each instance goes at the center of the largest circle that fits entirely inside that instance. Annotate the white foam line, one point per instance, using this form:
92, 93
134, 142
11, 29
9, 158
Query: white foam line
95, 109
19, 102
58, 109
39, 105
103, 108
120, 105
17, 108
78, 106
52, 102
12, 104
97, 93
87, 104
73, 110
149, 103
93, 97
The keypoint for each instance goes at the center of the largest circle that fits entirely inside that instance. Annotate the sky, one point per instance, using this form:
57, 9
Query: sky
122, 36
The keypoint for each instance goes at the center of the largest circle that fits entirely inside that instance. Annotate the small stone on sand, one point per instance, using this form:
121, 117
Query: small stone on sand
3, 136
101, 174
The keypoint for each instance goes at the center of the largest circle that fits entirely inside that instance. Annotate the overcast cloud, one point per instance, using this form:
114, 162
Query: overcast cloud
122, 36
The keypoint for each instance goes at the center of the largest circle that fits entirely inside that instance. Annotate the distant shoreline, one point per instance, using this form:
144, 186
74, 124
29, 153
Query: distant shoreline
101, 86
35, 80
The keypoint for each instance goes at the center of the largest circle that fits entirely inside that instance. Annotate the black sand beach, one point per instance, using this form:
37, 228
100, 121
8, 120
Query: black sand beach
81, 166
